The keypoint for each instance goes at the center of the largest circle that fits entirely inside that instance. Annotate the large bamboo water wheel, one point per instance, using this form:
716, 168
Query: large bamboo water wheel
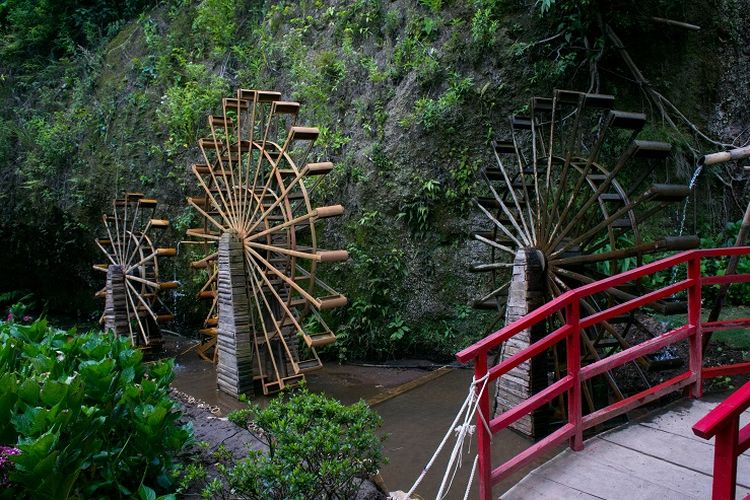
260, 243
570, 200
133, 292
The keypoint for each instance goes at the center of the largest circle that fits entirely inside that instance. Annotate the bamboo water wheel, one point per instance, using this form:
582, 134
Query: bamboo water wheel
134, 304
255, 185
573, 195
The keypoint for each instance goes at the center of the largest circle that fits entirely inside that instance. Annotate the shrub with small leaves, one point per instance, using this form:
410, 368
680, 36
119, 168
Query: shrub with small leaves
317, 446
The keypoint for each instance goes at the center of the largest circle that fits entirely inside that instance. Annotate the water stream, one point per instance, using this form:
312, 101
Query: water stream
414, 422
691, 185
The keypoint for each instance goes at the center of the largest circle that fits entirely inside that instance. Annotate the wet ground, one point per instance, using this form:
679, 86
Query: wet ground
414, 421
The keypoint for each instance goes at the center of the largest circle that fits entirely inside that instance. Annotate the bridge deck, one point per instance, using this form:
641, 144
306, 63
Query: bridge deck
654, 457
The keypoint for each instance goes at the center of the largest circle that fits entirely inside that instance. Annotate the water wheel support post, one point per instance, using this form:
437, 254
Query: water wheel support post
234, 370
115, 307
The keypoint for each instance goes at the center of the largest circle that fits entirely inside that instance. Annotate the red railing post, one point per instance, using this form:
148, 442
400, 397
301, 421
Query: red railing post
723, 424
573, 348
725, 461
695, 341
483, 436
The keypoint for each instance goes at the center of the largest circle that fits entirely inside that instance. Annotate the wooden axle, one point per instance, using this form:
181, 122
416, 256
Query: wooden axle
668, 192
329, 211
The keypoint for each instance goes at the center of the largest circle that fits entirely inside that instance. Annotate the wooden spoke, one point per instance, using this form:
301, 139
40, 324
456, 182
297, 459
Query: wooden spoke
562, 213
255, 186
133, 259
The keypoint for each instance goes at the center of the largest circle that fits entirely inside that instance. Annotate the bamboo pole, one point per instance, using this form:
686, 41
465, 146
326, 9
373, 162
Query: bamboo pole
725, 156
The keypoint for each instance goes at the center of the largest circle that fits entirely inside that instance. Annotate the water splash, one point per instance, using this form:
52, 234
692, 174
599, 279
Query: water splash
691, 185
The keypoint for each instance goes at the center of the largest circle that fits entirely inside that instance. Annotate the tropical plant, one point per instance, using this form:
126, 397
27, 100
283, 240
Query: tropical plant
87, 416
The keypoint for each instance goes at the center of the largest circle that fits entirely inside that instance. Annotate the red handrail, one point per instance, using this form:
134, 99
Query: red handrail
570, 384
731, 441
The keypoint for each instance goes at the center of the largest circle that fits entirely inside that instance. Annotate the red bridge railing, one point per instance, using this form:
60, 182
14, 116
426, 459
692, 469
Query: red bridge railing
731, 441
570, 384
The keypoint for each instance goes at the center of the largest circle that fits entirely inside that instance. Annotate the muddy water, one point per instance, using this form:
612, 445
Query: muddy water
414, 422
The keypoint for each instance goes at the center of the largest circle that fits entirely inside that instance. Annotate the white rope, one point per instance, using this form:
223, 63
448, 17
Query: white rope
471, 477
467, 410
466, 428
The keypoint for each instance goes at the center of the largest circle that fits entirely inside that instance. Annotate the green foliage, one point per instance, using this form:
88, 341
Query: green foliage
433, 5
738, 293
442, 113
417, 210
185, 104
448, 335
317, 447
88, 416
483, 28
215, 23
463, 177
372, 326
359, 19
414, 52
41, 27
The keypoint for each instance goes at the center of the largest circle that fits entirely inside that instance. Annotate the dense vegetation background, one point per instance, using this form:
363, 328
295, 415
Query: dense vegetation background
99, 97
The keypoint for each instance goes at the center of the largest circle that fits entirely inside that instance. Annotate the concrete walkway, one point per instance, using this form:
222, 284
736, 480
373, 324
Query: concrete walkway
657, 457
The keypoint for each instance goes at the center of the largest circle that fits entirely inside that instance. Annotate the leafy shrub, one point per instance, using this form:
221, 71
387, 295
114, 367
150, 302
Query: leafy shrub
738, 293
185, 104
372, 326
40, 27
317, 447
434, 113
214, 20
90, 420
483, 28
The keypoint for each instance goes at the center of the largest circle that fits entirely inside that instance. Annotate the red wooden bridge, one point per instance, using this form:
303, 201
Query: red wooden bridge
722, 422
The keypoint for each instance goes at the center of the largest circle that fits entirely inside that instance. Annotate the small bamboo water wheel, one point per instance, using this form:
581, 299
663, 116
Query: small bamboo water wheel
134, 304
255, 186
566, 203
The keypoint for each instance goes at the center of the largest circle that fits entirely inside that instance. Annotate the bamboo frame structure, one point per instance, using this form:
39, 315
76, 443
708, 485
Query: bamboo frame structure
134, 290
255, 183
